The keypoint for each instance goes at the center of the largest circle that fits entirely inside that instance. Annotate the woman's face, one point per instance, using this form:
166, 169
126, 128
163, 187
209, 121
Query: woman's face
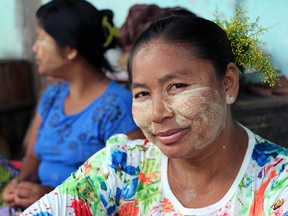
177, 101
48, 56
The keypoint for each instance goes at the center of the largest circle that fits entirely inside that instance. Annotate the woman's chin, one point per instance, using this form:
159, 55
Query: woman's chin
52, 78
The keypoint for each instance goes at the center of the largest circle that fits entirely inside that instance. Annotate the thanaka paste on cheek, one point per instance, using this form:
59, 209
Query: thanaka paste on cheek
200, 109
203, 111
142, 113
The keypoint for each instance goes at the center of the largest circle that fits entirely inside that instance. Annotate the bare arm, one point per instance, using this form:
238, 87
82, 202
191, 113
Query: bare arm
30, 162
29, 189
29, 167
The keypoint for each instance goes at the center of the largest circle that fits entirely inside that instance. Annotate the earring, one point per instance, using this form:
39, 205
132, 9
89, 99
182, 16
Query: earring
70, 57
230, 99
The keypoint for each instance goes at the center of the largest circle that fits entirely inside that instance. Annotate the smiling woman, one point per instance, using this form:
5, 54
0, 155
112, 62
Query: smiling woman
196, 160
184, 88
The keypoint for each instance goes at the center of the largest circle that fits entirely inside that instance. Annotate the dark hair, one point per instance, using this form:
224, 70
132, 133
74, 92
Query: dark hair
78, 24
204, 38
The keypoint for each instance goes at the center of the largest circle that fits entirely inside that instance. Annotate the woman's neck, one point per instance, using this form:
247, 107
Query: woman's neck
85, 85
207, 179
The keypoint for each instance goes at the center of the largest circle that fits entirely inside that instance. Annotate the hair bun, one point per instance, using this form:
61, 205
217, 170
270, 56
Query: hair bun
139, 17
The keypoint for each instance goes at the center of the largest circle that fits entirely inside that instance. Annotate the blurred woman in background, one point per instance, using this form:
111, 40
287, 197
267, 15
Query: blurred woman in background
77, 114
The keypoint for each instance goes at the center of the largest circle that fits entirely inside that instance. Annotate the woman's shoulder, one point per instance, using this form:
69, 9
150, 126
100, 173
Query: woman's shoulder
267, 149
271, 163
270, 158
263, 150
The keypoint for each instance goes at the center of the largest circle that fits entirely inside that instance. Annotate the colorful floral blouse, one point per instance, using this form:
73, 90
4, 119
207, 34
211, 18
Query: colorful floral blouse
130, 178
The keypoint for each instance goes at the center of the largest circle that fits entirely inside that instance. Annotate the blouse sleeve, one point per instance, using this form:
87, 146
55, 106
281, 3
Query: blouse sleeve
95, 188
77, 195
276, 194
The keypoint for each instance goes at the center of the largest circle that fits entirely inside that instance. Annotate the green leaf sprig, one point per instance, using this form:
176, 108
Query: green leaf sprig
244, 39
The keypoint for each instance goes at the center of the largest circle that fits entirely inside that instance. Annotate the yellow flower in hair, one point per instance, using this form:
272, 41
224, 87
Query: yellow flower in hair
245, 43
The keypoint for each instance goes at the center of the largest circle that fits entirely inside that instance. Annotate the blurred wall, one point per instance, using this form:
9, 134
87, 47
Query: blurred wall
11, 40
271, 13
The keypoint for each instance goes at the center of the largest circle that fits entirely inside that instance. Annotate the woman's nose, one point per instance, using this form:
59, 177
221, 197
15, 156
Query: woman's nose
160, 110
35, 47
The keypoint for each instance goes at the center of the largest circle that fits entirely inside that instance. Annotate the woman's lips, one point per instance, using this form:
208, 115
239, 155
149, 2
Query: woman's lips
171, 136
38, 61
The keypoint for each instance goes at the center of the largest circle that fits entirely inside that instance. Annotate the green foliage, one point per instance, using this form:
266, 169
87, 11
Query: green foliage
245, 43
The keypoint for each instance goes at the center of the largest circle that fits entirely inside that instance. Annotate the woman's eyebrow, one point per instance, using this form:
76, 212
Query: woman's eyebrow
164, 79
172, 75
138, 85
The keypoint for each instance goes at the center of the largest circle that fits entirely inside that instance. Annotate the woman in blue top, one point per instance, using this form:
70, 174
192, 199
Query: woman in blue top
76, 116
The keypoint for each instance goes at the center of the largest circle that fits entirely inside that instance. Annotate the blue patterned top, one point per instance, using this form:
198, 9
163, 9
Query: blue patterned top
65, 141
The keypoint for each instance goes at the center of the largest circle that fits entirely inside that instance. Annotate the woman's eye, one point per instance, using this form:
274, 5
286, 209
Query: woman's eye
177, 86
141, 95
40, 37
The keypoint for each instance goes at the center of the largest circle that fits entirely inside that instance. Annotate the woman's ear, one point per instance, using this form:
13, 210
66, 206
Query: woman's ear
231, 83
70, 53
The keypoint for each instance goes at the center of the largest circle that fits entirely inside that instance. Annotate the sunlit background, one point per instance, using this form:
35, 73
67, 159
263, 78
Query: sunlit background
271, 14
